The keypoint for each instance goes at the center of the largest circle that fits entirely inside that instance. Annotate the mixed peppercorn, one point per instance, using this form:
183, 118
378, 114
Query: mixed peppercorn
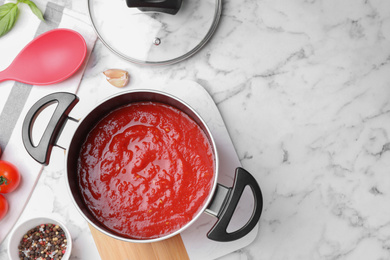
43, 242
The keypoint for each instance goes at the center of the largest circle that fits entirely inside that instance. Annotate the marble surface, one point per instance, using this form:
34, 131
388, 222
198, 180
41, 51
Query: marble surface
303, 88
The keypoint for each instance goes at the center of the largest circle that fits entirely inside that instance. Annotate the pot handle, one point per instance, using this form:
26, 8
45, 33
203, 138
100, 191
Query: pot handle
160, 6
231, 198
41, 152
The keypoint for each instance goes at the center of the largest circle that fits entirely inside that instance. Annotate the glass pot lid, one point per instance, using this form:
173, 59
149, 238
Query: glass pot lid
154, 31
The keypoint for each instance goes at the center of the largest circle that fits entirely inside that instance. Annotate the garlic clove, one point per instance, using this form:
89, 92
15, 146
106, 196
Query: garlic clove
116, 77
119, 83
115, 73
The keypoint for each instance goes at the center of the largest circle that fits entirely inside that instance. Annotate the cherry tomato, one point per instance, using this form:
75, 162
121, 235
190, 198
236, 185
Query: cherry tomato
3, 206
9, 177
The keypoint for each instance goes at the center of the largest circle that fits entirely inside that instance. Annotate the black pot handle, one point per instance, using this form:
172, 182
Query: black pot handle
41, 152
161, 6
229, 204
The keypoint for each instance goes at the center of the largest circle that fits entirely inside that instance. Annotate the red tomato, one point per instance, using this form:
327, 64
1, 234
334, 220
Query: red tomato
9, 177
3, 206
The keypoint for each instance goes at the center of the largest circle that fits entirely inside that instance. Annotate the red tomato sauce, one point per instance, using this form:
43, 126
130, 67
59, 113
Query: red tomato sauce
145, 170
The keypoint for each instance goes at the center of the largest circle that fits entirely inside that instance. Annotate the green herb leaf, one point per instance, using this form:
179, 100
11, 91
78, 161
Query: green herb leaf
34, 9
8, 16
5, 8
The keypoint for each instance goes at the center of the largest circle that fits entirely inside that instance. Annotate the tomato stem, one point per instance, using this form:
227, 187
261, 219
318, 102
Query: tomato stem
3, 180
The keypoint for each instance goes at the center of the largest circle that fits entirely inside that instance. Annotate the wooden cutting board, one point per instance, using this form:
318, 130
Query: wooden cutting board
110, 248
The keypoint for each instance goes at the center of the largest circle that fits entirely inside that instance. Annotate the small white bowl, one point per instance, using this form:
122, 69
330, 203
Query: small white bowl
24, 227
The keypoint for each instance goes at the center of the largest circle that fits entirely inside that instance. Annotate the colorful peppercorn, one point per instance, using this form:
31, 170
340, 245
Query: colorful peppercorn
43, 242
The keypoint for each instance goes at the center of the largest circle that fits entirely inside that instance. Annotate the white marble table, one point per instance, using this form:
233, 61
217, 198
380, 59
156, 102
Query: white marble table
304, 89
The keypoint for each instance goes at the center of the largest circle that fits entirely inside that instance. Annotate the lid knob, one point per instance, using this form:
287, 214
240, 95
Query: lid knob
160, 6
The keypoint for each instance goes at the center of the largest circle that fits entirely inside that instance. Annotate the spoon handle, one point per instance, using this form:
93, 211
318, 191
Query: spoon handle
5, 75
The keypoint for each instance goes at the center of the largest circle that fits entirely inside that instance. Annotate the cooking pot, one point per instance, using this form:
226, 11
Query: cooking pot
221, 202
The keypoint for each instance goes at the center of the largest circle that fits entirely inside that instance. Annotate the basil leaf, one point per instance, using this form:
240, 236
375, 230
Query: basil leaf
34, 9
5, 8
8, 19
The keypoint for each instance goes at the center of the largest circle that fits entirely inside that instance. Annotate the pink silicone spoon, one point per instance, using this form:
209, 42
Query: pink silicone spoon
50, 58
